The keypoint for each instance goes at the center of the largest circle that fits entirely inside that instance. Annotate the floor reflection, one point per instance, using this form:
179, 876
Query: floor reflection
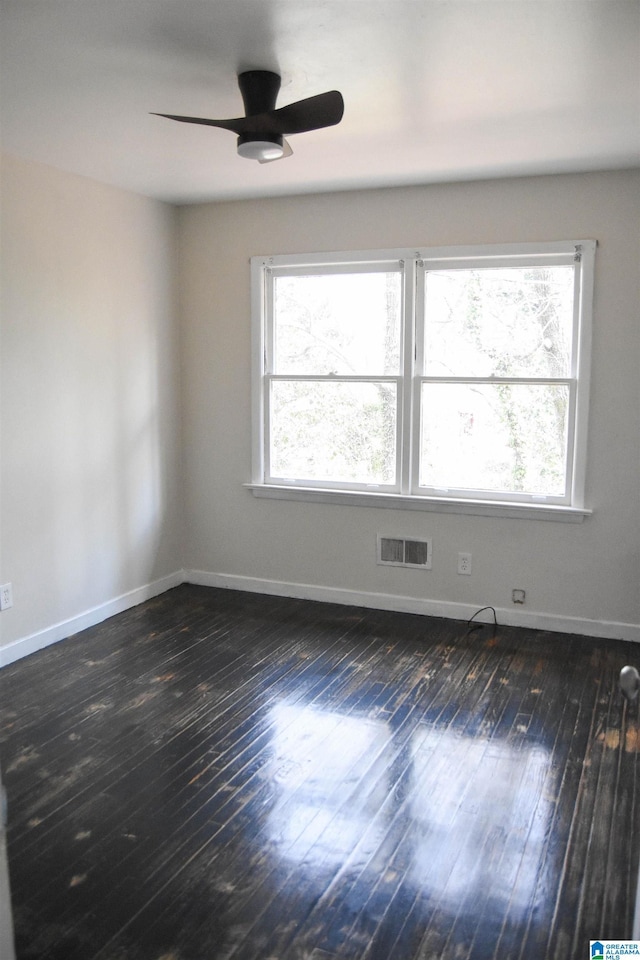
482, 822
460, 817
320, 760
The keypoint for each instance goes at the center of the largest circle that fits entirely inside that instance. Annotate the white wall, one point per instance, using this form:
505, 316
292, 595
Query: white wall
91, 463
90, 482
578, 577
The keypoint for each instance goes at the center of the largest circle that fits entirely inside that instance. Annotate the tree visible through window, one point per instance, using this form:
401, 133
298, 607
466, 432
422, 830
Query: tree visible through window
441, 374
336, 357
514, 326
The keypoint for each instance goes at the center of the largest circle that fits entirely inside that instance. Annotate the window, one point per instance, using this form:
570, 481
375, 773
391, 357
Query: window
447, 378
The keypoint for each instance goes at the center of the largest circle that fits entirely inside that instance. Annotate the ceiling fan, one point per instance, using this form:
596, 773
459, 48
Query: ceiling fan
262, 130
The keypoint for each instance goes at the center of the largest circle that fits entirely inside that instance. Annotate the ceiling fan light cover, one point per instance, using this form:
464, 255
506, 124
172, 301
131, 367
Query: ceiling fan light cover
262, 150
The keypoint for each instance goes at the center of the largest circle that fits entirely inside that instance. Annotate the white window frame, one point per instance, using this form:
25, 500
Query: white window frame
413, 263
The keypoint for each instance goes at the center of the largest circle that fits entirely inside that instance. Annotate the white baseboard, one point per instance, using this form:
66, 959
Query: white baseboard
306, 591
432, 608
59, 631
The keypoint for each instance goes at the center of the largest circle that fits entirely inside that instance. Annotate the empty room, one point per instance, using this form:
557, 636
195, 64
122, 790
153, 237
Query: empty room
320, 479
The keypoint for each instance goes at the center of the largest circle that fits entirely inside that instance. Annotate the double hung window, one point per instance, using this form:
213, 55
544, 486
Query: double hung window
433, 376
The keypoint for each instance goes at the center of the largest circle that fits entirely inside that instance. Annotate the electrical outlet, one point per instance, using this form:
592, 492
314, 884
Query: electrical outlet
6, 596
464, 564
518, 596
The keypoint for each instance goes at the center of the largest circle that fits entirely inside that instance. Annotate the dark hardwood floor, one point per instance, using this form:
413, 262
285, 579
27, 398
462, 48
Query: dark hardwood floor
222, 775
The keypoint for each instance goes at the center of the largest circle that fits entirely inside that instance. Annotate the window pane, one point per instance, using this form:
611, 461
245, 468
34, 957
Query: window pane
507, 322
494, 437
333, 431
338, 323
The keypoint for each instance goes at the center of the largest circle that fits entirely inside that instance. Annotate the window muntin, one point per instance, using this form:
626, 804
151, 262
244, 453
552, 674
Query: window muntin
334, 370
449, 373
497, 388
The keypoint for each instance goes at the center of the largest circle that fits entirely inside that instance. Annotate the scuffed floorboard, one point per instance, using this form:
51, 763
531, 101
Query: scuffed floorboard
224, 776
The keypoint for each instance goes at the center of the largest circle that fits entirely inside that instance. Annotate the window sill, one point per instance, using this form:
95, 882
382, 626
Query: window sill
479, 508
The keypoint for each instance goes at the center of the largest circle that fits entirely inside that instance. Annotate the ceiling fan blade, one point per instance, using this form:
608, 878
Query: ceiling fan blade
323, 110
313, 113
287, 152
237, 125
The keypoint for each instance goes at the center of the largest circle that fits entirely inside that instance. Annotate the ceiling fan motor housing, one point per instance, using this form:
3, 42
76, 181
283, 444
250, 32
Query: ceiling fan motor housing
259, 89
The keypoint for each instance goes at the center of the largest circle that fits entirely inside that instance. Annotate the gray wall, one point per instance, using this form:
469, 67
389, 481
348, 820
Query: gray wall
582, 576
91, 500
126, 414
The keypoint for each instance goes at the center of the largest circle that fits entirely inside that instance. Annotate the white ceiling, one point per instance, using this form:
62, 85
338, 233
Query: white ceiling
434, 89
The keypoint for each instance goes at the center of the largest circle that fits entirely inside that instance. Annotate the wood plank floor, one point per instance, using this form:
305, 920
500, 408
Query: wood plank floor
217, 775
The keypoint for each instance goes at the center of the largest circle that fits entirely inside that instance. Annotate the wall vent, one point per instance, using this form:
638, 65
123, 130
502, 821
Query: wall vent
401, 552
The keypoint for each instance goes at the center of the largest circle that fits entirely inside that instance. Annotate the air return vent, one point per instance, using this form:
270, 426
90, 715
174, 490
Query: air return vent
400, 552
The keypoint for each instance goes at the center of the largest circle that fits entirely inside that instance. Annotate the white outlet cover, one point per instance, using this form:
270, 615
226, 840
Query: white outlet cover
6, 596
